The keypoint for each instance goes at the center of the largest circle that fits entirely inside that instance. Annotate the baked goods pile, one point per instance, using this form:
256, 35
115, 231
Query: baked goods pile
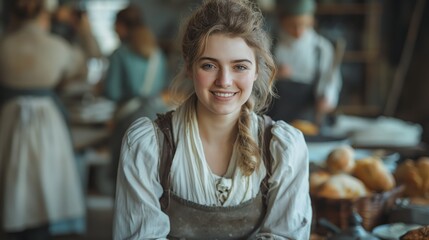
417, 234
306, 127
414, 175
345, 177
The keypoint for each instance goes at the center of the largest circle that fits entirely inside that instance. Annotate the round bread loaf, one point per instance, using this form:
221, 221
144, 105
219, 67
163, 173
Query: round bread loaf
423, 168
342, 186
317, 179
306, 127
374, 174
341, 160
408, 174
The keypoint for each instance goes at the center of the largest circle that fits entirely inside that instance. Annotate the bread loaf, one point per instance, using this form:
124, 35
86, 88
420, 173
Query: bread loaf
374, 174
423, 168
306, 127
408, 174
342, 186
341, 160
317, 179
421, 233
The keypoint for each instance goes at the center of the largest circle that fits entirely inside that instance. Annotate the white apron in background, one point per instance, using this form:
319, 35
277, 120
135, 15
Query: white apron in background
38, 173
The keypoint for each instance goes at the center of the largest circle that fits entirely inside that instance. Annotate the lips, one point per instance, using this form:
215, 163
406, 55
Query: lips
224, 94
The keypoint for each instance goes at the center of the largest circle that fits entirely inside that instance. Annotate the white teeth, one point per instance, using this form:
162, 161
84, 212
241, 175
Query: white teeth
223, 94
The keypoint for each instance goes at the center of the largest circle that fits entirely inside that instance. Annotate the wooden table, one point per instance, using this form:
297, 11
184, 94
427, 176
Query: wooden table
85, 136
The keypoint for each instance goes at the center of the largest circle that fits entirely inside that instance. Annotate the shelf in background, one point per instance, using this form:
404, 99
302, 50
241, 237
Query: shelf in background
359, 110
359, 56
346, 8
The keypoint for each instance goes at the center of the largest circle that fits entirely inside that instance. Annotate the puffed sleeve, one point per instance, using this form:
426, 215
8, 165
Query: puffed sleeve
289, 210
137, 212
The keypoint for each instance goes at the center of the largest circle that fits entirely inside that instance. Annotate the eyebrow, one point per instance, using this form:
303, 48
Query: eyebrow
234, 61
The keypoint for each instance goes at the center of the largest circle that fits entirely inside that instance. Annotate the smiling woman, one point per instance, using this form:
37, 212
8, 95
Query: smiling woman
215, 168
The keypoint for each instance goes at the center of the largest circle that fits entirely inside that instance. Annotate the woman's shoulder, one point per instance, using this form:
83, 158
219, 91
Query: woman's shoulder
141, 133
288, 146
284, 130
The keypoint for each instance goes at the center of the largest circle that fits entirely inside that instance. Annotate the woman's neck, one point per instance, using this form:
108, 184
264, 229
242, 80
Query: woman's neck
217, 128
218, 134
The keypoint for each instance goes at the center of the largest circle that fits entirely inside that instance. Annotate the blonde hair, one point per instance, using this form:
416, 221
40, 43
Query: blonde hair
234, 18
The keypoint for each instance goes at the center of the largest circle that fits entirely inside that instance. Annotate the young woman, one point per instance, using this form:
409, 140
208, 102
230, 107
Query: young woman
214, 187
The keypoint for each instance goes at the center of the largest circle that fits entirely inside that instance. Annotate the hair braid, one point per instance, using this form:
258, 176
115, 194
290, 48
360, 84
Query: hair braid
248, 148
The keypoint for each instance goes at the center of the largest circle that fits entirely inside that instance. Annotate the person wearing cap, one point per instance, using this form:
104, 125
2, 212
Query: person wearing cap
308, 82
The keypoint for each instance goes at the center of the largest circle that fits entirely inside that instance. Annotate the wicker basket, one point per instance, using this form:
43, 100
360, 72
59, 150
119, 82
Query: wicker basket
372, 209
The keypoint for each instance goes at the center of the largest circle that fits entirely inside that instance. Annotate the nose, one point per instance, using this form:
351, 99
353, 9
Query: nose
224, 78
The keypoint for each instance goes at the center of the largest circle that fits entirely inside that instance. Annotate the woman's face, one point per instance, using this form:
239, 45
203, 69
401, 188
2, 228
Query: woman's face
224, 75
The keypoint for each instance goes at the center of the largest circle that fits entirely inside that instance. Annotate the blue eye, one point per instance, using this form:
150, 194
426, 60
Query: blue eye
208, 66
241, 67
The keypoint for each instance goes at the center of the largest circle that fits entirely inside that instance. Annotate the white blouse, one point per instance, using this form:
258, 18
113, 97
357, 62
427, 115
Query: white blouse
137, 209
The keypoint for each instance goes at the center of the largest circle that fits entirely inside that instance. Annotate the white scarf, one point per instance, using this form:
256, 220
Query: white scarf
192, 178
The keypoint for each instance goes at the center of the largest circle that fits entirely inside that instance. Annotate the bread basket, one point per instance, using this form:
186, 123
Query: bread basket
373, 209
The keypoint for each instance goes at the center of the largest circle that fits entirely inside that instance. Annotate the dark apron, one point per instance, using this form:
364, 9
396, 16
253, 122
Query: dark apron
296, 100
189, 220
9, 93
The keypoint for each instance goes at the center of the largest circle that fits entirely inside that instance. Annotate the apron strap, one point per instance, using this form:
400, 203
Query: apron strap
265, 137
167, 151
318, 65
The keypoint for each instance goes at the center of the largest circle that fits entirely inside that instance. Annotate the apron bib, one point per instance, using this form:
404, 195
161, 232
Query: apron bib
190, 220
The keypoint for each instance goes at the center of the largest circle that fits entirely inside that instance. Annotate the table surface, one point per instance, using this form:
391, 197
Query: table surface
85, 136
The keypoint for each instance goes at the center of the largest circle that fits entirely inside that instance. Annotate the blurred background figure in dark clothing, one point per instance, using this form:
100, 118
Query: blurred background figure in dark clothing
309, 79
136, 76
39, 180
71, 22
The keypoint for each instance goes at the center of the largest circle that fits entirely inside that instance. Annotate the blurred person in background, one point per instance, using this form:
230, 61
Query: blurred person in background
39, 180
308, 80
136, 76
72, 23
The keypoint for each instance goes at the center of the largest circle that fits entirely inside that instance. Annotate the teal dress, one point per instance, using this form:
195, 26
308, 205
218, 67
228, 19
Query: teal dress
130, 78
126, 75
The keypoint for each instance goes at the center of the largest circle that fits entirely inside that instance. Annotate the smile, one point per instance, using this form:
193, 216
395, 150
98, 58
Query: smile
221, 94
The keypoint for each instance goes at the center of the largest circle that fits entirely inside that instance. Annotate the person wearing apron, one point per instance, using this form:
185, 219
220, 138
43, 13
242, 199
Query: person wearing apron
134, 80
40, 186
222, 178
308, 80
